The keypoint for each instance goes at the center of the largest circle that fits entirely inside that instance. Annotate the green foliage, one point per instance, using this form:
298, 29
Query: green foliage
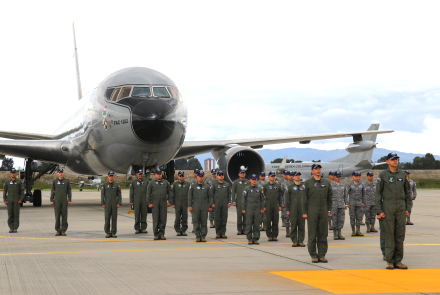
184, 164
7, 164
194, 164
421, 163
424, 183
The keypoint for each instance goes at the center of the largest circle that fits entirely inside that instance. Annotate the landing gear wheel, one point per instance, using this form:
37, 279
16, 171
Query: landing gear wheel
37, 198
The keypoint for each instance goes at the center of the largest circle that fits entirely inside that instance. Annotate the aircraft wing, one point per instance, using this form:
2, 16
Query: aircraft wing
192, 148
35, 136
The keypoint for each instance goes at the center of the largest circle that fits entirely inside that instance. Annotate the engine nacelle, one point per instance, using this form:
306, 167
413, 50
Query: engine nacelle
37, 166
233, 158
360, 146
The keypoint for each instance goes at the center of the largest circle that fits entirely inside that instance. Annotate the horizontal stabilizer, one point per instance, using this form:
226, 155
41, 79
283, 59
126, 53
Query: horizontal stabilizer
365, 164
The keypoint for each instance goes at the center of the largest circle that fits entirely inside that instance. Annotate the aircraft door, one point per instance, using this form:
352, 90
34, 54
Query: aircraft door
340, 169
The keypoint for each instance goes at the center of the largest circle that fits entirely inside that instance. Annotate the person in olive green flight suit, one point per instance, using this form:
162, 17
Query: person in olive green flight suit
317, 203
273, 192
393, 203
253, 205
111, 200
237, 197
138, 199
158, 193
179, 201
13, 196
60, 198
200, 203
294, 196
221, 197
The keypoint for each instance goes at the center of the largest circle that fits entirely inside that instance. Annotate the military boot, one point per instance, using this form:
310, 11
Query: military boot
287, 232
63, 233
340, 235
353, 233
57, 234
372, 229
144, 231
408, 221
335, 235
108, 236
400, 265
184, 233
368, 228
390, 265
136, 232
283, 223
11, 231
330, 225
358, 231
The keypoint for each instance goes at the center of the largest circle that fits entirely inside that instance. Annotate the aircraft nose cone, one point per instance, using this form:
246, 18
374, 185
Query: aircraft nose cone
152, 121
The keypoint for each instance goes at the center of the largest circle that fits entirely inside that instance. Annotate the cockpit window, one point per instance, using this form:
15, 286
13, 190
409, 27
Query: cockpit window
125, 92
115, 94
175, 93
141, 91
161, 92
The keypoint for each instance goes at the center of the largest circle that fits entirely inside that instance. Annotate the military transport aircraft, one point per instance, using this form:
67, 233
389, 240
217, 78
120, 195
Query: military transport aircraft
135, 119
354, 161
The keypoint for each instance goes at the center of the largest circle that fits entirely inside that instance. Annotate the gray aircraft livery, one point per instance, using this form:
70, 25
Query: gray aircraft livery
134, 119
358, 159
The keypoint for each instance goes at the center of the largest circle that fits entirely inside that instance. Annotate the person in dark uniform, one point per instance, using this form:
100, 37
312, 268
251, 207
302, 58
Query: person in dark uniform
111, 200
179, 200
273, 193
200, 203
60, 198
237, 197
138, 199
13, 196
221, 195
253, 206
158, 193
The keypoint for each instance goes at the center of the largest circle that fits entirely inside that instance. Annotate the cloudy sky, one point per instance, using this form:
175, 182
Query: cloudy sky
245, 68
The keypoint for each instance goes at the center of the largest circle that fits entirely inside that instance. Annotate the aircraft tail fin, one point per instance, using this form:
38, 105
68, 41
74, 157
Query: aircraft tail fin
75, 55
364, 156
282, 166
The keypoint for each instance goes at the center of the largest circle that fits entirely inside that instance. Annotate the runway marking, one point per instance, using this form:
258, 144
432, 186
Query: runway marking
368, 281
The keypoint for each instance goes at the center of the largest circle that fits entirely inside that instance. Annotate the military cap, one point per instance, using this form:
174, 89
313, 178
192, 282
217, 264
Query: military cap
213, 171
201, 173
356, 173
140, 171
242, 171
60, 169
111, 173
13, 170
297, 173
263, 173
220, 172
196, 170
285, 172
392, 156
407, 172
271, 173
158, 171
181, 173
370, 173
338, 174
314, 166
253, 176
331, 173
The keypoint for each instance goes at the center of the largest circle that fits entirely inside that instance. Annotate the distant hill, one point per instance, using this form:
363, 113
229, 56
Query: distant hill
309, 154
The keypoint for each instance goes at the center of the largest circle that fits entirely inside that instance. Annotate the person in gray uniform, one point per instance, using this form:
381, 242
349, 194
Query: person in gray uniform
294, 196
210, 181
261, 182
252, 207
370, 203
356, 202
339, 205
331, 176
413, 188
282, 180
284, 217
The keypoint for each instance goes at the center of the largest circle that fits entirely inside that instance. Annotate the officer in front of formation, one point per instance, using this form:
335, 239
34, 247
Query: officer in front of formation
200, 203
210, 181
370, 204
13, 196
237, 197
179, 201
221, 198
356, 202
393, 204
294, 196
252, 207
339, 205
111, 200
412, 185
158, 193
138, 199
273, 193
60, 198
317, 203
261, 182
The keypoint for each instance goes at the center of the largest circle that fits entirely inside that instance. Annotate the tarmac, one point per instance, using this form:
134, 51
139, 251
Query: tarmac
34, 261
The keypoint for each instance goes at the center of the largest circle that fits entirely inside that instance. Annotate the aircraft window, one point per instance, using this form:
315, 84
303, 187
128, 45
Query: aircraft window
125, 92
175, 93
115, 94
141, 91
161, 92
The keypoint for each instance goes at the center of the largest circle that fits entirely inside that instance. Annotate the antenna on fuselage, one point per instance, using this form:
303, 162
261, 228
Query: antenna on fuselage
75, 55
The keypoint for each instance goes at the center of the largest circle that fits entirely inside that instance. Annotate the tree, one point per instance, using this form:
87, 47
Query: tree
7, 164
381, 167
181, 164
194, 164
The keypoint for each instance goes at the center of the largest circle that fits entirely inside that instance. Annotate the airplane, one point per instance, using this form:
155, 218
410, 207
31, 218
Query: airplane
358, 159
134, 119
96, 182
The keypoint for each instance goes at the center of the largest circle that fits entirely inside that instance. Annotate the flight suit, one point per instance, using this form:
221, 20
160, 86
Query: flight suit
60, 194
274, 194
412, 185
339, 201
393, 198
370, 203
179, 198
263, 215
200, 199
138, 196
13, 191
294, 196
317, 201
253, 203
210, 182
237, 197
221, 196
356, 197
110, 197
158, 193
191, 182
331, 218
284, 216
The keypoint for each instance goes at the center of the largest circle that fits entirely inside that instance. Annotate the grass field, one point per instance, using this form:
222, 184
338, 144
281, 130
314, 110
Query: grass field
427, 183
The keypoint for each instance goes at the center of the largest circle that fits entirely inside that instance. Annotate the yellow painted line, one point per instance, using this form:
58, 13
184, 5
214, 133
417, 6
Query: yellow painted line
368, 281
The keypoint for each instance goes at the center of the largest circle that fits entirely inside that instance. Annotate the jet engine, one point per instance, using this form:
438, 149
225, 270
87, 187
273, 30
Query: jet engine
231, 160
360, 146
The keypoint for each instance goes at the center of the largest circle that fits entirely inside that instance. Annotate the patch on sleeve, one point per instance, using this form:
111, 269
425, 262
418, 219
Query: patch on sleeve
244, 192
378, 179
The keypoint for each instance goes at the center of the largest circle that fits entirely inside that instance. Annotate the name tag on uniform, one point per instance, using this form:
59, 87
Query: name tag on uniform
322, 185
183, 185
245, 183
302, 188
257, 191
161, 183
203, 188
399, 179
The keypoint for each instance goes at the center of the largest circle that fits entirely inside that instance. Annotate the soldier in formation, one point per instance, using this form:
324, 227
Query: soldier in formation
13, 196
111, 200
179, 201
261, 182
191, 182
339, 205
237, 197
273, 194
158, 193
60, 198
138, 199
331, 176
221, 195
294, 196
252, 207
284, 217
210, 181
356, 202
412, 185
200, 203
370, 207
